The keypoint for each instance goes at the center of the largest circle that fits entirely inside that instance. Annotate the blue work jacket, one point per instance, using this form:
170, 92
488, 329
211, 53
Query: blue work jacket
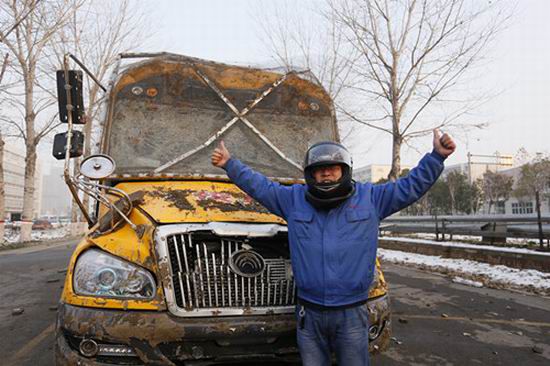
333, 252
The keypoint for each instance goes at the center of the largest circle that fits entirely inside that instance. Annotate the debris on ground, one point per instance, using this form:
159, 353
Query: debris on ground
396, 341
17, 311
466, 282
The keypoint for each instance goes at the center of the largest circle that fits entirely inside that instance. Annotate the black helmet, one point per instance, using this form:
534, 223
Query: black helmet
328, 195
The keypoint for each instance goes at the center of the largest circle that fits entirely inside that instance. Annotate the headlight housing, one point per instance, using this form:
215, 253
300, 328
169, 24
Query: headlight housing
101, 274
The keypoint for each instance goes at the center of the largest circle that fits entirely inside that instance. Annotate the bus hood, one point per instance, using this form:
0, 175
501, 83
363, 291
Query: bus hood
171, 202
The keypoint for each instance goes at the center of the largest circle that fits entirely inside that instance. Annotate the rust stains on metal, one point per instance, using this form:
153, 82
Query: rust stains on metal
175, 197
226, 201
379, 314
122, 326
112, 221
164, 272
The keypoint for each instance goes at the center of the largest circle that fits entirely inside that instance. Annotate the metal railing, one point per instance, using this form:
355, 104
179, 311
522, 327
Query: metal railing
487, 226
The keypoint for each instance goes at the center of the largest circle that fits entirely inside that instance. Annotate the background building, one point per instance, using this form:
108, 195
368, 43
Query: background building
525, 205
14, 182
477, 165
56, 199
374, 172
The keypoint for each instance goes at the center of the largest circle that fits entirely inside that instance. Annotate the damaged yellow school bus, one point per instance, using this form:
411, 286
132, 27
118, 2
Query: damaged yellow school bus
181, 267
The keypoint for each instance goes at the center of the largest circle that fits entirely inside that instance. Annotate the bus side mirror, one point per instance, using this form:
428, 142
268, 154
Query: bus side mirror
60, 145
77, 101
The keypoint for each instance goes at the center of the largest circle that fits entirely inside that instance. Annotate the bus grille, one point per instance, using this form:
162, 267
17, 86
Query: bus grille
202, 278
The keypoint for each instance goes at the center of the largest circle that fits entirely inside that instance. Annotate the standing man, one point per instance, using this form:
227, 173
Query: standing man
333, 235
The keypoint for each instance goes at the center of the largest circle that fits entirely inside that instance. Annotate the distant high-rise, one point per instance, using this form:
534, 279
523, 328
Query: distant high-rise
56, 199
14, 183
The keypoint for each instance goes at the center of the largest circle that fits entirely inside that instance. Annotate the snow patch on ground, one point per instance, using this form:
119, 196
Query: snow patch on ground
463, 245
497, 276
464, 281
521, 242
12, 236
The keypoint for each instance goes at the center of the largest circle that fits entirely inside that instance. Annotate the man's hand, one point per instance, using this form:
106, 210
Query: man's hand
220, 156
443, 145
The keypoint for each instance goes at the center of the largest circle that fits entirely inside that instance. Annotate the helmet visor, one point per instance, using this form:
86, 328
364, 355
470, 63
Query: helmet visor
326, 154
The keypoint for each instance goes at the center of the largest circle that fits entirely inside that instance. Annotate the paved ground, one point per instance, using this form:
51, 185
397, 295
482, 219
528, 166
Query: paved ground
482, 326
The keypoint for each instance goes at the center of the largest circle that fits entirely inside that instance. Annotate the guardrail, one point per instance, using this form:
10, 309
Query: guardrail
493, 228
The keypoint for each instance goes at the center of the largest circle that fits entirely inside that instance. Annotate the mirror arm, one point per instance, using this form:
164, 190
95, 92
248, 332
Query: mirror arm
74, 193
87, 188
87, 72
124, 195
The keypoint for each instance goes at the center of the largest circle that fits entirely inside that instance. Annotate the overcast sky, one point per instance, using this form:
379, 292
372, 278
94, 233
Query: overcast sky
226, 31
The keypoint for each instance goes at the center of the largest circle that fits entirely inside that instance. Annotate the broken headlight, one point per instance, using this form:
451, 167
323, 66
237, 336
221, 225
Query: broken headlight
100, 274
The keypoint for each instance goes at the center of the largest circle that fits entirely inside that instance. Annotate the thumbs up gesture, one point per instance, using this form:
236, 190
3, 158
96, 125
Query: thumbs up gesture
220, 156
443, 145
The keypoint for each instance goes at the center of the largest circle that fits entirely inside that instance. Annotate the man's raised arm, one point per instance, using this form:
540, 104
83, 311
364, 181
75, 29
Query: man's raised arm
394, 196
275, 197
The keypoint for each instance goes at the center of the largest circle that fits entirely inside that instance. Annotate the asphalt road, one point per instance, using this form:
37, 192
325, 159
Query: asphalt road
435, 322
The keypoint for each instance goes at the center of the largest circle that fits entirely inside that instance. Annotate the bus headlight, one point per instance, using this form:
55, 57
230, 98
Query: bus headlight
101, 274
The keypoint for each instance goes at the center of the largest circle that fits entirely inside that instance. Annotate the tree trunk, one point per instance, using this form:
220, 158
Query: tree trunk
2, 202
452, 198
30, 161
396, 158
396, 121
28, 193
539, 219
75, 210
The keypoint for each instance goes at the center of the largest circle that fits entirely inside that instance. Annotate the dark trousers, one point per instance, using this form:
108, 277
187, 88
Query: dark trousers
342, 331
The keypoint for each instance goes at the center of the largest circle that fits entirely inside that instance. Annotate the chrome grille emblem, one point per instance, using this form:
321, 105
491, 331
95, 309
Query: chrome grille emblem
247, 263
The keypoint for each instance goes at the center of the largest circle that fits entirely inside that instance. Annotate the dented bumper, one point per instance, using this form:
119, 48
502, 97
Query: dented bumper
158, 338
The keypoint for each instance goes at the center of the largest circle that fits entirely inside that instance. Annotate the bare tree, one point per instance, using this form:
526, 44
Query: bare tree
534, 182
496, 187
314, 42
2, 192
454, 179
414, 55
31, 99
97, 33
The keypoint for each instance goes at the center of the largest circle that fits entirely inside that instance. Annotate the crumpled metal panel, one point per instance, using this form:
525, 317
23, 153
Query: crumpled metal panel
161, 109
198, 202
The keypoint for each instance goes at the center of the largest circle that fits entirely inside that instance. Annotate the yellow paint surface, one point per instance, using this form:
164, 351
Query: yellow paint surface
197, 201
123, 243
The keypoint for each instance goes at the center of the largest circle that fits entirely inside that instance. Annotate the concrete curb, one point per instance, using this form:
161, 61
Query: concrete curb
510, 259
35, 246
